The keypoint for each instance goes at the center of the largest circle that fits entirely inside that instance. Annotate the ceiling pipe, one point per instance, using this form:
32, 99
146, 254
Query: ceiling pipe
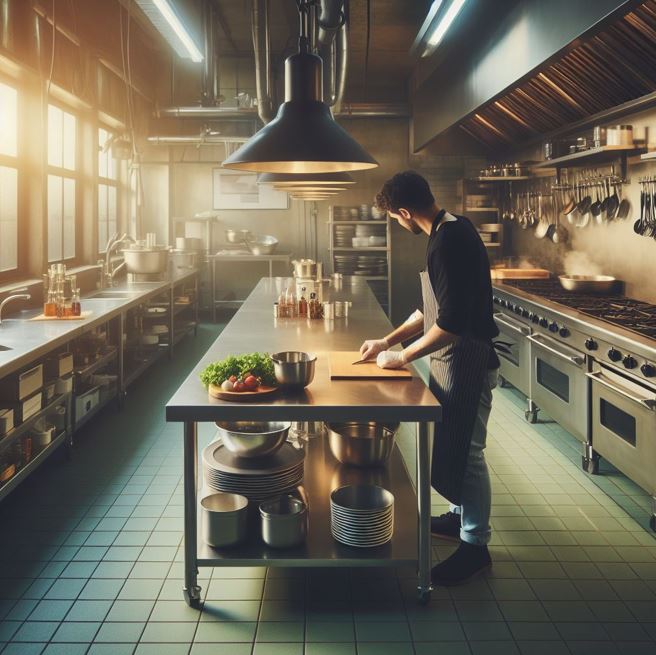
262, 50
196, 111
331, 18
335, 68
174, 140
210, 77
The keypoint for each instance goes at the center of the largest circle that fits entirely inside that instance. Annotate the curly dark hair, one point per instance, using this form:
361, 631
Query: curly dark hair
408, 190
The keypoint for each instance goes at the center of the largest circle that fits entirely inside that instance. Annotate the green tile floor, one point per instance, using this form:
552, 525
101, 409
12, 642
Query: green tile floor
91, 557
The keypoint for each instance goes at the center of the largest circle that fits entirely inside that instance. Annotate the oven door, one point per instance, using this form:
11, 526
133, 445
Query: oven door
514, 363
559, 385
624, 425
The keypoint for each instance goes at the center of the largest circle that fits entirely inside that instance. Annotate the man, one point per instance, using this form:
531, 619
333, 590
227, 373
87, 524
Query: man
458, 328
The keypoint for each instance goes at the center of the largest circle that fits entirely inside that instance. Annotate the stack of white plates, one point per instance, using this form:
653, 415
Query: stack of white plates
345, 264
256, 478
362, 515
344, 235
370, 230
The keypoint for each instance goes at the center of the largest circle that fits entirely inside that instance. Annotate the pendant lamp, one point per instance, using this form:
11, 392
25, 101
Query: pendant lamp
280, 180
303, 137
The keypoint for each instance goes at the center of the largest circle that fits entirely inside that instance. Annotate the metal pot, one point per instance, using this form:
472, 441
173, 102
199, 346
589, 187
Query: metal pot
146, 260
362, 444
183, 259
253, 438
588, 283
224, 519
262, 245
305, 268
238, 236
284, 522
294, 369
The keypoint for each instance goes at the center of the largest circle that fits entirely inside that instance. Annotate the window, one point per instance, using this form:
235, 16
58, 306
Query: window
107, 189
8, 178
62, 129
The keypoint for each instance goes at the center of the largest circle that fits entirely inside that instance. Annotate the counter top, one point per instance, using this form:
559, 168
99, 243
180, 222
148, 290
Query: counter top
254, 328
28, 340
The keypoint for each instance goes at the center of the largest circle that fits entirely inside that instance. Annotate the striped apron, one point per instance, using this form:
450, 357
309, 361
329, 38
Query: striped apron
457, 373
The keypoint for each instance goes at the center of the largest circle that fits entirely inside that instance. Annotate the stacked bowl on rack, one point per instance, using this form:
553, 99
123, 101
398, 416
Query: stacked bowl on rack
371, 265
362, 515
343, 235
345, 264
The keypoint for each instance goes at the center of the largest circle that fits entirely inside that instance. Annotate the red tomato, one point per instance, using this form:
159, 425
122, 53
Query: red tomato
251, 383
233, 378
238, 387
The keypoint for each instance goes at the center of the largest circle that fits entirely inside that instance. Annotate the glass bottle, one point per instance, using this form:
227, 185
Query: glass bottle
303, 304
50, 305
313, 305
76, 305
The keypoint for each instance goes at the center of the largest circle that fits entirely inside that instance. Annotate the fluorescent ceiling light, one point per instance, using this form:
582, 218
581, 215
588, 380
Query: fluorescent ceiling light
171, 28
436, 35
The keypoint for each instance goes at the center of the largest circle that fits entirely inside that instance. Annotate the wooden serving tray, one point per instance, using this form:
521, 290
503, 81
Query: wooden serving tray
81, 317
519, 273
343, 368
241, 396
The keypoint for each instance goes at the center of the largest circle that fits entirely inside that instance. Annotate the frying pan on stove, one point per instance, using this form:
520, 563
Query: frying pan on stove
588, 283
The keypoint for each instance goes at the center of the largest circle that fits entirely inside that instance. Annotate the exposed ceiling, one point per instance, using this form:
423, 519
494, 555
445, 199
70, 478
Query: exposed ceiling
380, 35
611, 68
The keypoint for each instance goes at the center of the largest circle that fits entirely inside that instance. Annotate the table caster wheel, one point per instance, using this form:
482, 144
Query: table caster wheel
192, 598
531, 416
502, 382
652, 523
424, 596
590, 465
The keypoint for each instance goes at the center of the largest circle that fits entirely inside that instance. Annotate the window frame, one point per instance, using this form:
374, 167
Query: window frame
116, 183
15, 163
66, 173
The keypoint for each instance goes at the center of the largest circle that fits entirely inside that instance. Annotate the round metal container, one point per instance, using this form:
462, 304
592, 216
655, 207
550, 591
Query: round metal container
305, 268
362, 499
253, 438
183, 259
588, 283
263, 245
293, 368
146, 261
238, 236
362, 443
223, 519
284, 522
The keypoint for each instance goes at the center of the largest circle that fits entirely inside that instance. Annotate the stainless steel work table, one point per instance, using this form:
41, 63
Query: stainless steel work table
254, 328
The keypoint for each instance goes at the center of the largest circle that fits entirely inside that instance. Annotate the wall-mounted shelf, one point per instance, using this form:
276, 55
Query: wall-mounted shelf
601, 155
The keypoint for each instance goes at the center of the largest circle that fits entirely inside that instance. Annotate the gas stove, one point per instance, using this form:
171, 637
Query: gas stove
627, 313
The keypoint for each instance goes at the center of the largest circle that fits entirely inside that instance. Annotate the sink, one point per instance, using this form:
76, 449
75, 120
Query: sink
3, 348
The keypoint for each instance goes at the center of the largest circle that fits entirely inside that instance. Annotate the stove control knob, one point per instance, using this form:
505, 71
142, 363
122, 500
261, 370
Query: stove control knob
535, 318
648, 370
591, 344
518, 310
496, 300
503, 303
553, 327
544, 322
614, 355
564, 332
629, 362
525, 313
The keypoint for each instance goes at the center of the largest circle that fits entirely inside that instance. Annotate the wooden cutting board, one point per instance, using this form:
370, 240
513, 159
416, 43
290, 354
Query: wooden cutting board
519, 273
342, 368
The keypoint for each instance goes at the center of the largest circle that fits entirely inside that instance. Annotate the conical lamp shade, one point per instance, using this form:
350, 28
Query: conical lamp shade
311, 179
315, 189
303, 137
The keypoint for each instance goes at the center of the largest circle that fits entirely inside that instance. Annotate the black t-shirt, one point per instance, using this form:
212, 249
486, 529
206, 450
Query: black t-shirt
459, 271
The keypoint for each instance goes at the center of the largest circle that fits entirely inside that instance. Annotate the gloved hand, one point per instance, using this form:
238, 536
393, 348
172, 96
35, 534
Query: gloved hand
370, 348
391, 359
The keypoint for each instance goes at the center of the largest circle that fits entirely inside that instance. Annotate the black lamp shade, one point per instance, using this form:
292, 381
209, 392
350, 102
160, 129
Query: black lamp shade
309, 179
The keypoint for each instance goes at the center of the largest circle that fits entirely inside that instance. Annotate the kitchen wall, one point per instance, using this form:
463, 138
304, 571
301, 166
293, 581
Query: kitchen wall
611, 249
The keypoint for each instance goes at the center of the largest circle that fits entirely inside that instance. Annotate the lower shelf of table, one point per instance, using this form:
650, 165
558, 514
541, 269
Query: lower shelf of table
323, 473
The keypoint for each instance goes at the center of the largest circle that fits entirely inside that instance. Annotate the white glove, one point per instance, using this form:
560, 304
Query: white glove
370, 348
391, 359
415, 316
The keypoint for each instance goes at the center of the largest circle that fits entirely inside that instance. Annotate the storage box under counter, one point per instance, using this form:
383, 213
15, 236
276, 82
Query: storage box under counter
18, 387
86, 402
23, 409
58, 365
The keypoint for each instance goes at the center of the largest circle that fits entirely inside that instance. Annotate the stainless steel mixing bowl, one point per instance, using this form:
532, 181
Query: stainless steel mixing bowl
293, 368
146, 260
362, 443
253, 438
262, 245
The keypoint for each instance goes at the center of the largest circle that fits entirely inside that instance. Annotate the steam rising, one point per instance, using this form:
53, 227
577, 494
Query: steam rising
580, 263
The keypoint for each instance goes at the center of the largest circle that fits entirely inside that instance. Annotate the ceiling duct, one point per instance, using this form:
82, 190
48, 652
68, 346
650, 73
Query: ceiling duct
210, 79
331, 18
262, 50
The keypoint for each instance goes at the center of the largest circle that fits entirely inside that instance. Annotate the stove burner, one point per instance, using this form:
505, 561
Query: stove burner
627, 313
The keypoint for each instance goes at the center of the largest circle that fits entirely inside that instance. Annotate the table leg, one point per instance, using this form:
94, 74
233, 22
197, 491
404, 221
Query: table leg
424, 510
191, 588
213, 288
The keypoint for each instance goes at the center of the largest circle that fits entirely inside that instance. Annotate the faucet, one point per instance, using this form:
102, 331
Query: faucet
108, 274
15, 296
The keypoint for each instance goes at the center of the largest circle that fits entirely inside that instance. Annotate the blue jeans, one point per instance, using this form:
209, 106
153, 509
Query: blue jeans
476, 490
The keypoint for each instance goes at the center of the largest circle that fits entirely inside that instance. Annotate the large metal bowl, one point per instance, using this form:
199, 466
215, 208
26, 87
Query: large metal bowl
238, 236
362, 443
253, 438
262, 245
294, 369
588, 283
147, 260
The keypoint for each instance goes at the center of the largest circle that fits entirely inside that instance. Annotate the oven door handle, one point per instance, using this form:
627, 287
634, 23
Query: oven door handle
647, 403
572, 359
498, 317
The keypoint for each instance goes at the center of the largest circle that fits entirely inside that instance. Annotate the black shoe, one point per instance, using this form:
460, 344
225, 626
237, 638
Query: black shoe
446, 526
466, 563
